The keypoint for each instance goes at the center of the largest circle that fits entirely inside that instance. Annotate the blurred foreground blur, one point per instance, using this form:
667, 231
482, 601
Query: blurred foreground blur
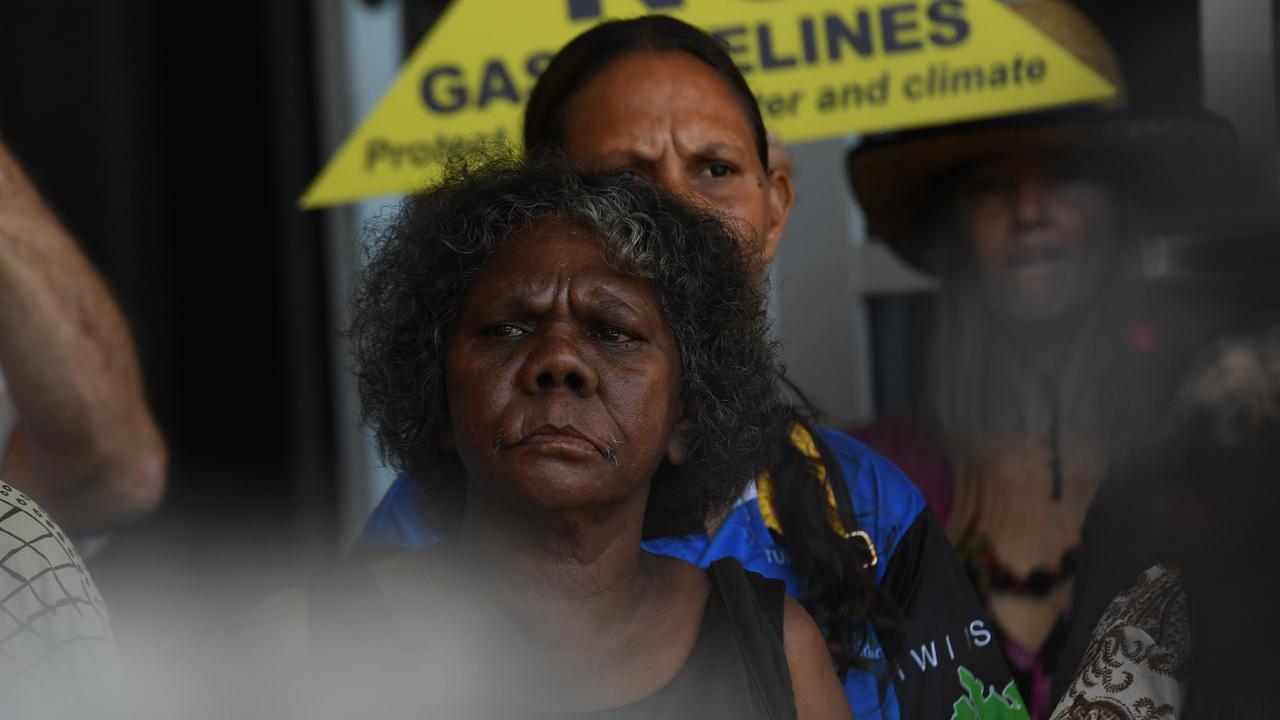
174, 139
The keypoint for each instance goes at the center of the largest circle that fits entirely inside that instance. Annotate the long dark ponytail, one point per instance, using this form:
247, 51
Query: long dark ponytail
837, 572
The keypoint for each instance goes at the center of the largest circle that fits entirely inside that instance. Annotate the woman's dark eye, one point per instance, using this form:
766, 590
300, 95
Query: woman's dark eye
504, 330
613, 336
717, 170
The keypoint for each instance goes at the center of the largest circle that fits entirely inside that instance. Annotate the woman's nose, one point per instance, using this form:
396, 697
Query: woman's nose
673, 177
1028, 200
557, 361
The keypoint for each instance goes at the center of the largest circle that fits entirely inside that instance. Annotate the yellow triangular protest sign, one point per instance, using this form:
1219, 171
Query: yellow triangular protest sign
820, 68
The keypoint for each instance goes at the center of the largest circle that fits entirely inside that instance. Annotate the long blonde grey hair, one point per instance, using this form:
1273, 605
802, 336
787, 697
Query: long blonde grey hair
979, 381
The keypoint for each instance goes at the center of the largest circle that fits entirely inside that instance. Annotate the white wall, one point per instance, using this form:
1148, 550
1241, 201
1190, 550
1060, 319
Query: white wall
824, 269
359, 50
1237, 39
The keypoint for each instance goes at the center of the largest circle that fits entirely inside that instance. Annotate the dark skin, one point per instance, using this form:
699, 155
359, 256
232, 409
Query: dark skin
563, 379
563, 386
1042, 230
671, 118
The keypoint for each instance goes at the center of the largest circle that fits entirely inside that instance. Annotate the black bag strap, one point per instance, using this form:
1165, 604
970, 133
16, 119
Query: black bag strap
755, 606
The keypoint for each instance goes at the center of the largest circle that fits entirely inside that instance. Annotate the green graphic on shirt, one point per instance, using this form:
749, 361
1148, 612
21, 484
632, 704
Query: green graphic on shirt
983, 702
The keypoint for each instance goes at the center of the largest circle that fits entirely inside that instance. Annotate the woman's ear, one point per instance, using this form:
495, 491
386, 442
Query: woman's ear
781, 197
677, 442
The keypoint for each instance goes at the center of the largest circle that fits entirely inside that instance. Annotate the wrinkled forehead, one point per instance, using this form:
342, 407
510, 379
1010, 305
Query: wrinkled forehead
638, 99
545, 241
550, 251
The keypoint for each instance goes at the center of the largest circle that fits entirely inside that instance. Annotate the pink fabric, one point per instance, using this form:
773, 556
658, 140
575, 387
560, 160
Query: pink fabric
1024, 662
911, 443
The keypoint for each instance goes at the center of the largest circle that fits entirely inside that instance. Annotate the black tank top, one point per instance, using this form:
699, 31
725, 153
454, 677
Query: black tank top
738, 667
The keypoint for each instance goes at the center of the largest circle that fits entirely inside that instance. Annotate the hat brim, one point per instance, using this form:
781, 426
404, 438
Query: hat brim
894, 178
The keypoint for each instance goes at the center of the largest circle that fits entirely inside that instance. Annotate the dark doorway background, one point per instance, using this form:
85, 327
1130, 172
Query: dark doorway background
173, 140
1158, 47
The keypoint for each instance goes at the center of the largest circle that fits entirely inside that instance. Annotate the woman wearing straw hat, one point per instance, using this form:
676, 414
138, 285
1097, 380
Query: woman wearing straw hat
1037, 350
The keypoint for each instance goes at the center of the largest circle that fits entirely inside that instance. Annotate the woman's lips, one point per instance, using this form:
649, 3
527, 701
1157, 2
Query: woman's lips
554, 437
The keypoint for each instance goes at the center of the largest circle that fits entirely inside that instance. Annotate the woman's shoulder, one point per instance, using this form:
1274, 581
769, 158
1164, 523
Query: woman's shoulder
815, 687
784, 653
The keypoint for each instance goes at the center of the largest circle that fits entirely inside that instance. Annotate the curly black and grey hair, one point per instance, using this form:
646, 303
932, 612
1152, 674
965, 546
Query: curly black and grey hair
712, 297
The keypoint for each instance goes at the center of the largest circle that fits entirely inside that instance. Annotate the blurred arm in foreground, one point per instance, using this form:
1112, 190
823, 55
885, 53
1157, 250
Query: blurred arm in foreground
80, 439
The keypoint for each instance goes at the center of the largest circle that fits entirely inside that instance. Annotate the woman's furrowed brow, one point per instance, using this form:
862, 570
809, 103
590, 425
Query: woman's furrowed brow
599, 298
712, 148
605, 299
622, 157
716, 148
517, 301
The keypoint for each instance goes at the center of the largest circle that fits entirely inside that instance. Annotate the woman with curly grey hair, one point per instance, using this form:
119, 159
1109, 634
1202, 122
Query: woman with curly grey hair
578, 363
656, 98
413, 294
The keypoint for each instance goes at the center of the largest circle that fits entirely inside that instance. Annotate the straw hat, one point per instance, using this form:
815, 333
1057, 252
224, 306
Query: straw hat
1164, 155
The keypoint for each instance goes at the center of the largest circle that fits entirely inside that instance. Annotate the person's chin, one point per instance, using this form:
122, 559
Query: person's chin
1029, 304
550, 481
1037, 282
